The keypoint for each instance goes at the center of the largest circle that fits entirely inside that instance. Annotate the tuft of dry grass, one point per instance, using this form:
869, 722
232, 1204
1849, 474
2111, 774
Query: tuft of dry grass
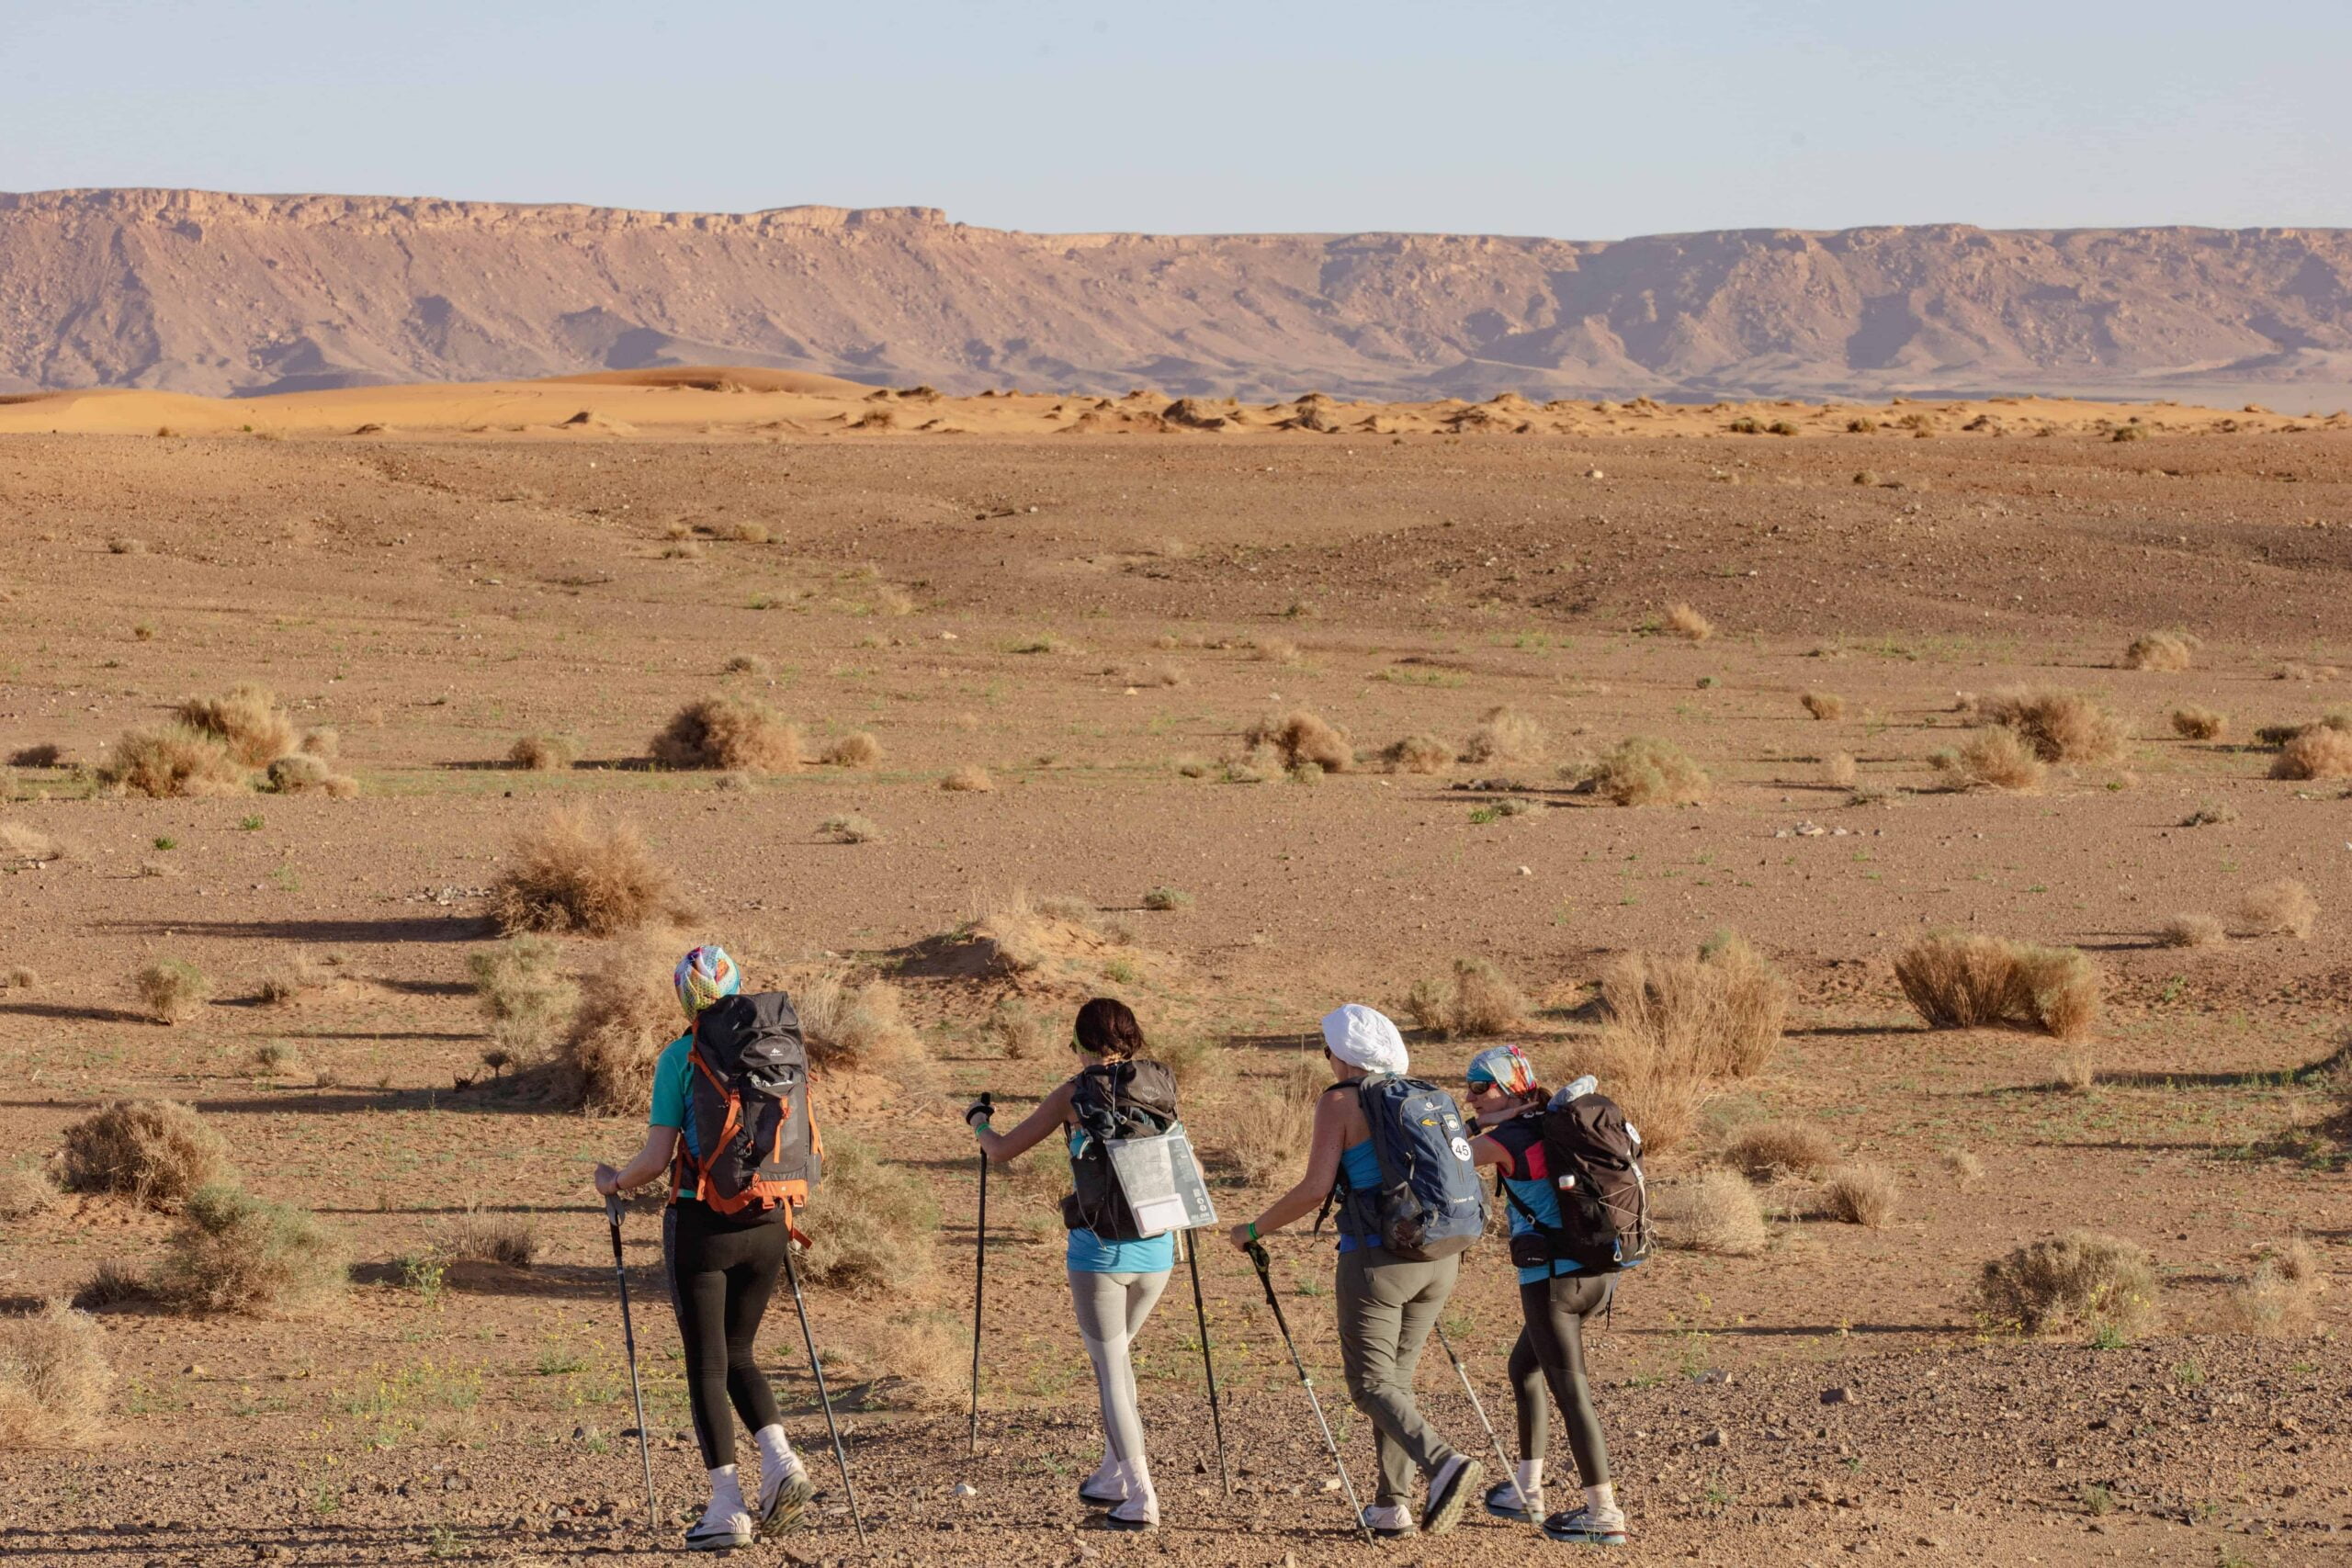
21, 977
2192, 930
1479, 1003
969, 779
2318, 752
858, 1025
1418, 753
475, 1236
1823, 706
1275, 649
1504, 735
850, 828
166, 762
1687, 622
1715, 1210
525, 994
2072, 1074
874, 1225
2168, 651
1992, 759
1966, 1168
1303, 737
2061, 726
1765, 1151
1018, 1030
542, 753
1192, 1057
1840, 770
2284, 908
154, 1152
628, 1012
1165, 899
285, 981
322, 743
299, 772
247, 720
731, 733
1717, 1015
236, 1253
573, 873
1646, 771
1266, 1136
172, 989
23, 846
1966, 980
53, 1380
2273, 1302
856, 749
1861, 1194
2098, 1284
2191, 722
25, 1190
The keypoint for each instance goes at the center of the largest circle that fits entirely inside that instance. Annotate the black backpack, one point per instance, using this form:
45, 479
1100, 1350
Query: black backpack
1593, 1156
1113, 1100
747, 1105
1428, 1205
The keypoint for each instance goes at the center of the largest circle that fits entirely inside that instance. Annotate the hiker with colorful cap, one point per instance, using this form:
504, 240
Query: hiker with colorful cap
722, 1267
1558, 1296
1387, 1305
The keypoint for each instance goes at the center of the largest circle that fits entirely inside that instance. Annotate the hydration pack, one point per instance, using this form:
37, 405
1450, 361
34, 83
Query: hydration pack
1113, 1100
1592, 1157
1428, 1205
747, 1108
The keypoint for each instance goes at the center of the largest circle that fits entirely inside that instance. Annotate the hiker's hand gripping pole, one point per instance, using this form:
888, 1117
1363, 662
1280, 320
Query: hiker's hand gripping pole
1257, 1250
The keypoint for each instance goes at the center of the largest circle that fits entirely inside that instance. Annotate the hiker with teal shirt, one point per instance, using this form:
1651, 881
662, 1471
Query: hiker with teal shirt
1117, 1274
1557, 1297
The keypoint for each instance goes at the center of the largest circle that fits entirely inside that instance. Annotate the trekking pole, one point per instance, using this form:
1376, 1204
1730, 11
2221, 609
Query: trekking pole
1201, 1315
817, 1369
1475, 1404
628, 1339
979, 1288
1258, 1256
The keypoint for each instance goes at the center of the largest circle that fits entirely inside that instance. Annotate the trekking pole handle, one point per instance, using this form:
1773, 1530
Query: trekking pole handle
612, 1207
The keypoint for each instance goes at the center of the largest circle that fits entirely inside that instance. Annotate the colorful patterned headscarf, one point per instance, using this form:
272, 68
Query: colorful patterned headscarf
704, 975
1505, 1066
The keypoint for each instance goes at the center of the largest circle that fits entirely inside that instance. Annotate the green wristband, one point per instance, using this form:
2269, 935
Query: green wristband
1253, 1230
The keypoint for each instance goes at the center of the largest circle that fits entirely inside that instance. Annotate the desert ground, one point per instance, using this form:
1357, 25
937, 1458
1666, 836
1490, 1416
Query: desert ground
1087, 605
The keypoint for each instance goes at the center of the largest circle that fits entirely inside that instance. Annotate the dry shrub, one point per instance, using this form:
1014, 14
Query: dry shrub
1840, 771
25, 1190
1504, 735
20, 845
1966, 980
1824, 705
248, 721
574, 874
2098, 1284
302, 773
285, 981
526, 996
1167, 899
2318, 752
170, 760
1266, 1136
322, 743
1018, 1030
856, 749
1303, 737
475, 1236
235, 1252
628, 1012
1717, 1015
732, 733
2194, 723
1764, 1151
542, 753
53, 1380
1992, 759
1192, 1058
1861, 1194
873, 1224
861, 1025
1480, 1002
156, 1152
2073, 1074
1419, 754
848, 829
172, 989
970, 779
1687, 622
2191, 930
2284, 908
1646, 771
1715, 1210
1966, 1168
2210, 814
2160, 650
2061, 726
1275, 649
21, 976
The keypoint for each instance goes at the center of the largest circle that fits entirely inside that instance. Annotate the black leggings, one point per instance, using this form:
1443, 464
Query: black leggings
722, 1272
1551, 1350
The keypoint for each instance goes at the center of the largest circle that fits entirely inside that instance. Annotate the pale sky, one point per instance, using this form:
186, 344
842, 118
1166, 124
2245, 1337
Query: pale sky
1573, 119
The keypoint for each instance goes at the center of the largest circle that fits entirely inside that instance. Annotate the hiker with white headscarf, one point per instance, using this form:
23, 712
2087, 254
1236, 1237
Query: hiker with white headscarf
1387, 1305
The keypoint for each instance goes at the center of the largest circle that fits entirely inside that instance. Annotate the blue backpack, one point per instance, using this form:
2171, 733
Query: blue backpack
1428, 1205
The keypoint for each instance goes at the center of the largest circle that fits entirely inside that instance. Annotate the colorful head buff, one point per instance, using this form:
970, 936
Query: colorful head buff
704, 975
1505, 1066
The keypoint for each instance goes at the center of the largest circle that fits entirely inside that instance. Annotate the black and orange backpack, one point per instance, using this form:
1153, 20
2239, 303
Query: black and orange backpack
747, 1108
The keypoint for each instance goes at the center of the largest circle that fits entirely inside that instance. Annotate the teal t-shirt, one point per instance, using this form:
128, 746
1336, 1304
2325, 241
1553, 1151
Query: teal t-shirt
1361, 1168
673, 1076
1091, 1253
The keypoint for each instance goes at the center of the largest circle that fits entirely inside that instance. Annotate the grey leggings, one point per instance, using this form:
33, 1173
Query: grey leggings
1387, 1307
1110, 1312
1551, 1350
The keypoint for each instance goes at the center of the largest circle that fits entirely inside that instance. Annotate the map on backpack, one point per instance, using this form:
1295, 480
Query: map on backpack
1162, 1182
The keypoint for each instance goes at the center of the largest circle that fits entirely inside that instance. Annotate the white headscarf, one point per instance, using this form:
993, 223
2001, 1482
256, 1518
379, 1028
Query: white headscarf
1364, 1037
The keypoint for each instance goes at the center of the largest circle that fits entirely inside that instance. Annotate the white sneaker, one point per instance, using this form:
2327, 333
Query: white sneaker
785, 1497
1449, 1488
1106, 1488
1503, 1501
1389, 1521
1589, 1527
720, 1533
1135, 1514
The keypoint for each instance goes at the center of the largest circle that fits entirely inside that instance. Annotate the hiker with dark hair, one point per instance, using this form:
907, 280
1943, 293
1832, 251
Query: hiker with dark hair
1558, 1293
1116, 1273
725, 1231
1393, 1283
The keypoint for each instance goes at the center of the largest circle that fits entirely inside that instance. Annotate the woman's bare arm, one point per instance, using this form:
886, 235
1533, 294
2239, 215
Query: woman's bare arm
1334, 1114
1484, 1150
644, 1166
1053, 1111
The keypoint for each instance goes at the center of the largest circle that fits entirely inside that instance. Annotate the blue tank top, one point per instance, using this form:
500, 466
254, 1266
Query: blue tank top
1091, 1253
1531, 1183
1359, 1170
